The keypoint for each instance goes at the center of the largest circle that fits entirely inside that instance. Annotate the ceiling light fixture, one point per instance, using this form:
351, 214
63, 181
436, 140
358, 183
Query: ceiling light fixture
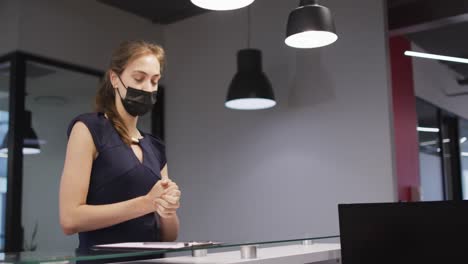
310, 26
435, 57
250, 88
428, 129
221, 5
30, 140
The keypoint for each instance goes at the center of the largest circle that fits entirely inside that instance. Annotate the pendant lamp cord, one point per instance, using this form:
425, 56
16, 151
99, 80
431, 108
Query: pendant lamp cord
248, 27
308, 2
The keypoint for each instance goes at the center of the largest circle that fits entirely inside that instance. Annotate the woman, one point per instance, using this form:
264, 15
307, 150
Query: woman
115, 186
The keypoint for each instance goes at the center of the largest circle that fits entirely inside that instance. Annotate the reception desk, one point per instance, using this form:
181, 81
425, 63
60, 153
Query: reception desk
293, 251
291, 254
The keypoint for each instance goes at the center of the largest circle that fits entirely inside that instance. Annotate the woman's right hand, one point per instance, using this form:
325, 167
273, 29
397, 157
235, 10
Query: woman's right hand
158, 190
168, 204
164, 196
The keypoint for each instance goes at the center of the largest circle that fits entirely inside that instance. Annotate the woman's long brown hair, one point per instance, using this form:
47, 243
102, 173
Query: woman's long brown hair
125, 53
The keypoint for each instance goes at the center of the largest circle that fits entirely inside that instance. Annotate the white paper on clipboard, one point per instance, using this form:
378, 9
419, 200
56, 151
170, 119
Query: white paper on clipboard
154, 245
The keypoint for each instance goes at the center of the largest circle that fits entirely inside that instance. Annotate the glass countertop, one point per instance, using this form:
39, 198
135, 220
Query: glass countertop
131, 254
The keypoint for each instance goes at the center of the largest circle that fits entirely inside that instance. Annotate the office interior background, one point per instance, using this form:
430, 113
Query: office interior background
355, 121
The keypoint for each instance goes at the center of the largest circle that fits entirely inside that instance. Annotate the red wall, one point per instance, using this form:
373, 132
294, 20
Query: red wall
404, 118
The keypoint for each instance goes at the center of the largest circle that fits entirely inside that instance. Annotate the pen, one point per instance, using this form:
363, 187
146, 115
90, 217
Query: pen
159, 243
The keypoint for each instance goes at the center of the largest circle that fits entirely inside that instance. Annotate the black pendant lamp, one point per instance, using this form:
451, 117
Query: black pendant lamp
250, 88
31, 141
310, 26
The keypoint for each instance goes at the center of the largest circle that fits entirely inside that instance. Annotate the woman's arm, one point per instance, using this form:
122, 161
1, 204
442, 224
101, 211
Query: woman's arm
75, 214
169, 228
169, 223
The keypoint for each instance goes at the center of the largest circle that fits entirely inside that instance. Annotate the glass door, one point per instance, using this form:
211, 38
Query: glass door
430, 152
463, 133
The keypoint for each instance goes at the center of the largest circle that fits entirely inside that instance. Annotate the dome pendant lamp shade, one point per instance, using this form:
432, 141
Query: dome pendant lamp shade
250, 89
220, 5
310, 26
30, 142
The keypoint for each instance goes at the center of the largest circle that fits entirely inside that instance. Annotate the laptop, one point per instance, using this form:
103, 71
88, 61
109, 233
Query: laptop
398, 233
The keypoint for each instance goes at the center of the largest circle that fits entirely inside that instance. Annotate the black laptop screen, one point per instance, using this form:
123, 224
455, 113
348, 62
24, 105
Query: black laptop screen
420, 232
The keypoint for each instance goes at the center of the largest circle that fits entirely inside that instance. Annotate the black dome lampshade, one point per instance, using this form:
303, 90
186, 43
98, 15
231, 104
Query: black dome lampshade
31, 141
310, 26
250, 89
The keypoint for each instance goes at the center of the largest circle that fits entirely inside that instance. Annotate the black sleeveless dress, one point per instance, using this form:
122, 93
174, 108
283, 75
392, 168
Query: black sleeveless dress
117, 175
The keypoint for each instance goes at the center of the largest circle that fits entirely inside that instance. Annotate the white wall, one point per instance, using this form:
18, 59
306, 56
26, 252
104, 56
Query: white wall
432, 78
83, 32
9, 24
278, 173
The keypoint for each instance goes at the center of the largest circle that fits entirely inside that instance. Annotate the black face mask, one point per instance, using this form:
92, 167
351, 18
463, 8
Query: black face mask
137, 102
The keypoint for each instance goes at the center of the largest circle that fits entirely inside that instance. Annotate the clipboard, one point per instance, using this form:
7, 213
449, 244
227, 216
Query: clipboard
153, 245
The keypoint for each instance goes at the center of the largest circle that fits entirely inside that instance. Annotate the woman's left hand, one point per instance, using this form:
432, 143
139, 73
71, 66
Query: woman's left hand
169, 202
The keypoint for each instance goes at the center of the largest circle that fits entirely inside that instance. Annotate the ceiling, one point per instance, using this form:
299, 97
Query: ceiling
438, 27
158, 11
448, 40
167, 12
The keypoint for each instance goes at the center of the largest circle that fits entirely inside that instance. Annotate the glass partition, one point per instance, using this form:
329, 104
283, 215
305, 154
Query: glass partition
54, 96
38, 98
430, 152
4, 117
463, 132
